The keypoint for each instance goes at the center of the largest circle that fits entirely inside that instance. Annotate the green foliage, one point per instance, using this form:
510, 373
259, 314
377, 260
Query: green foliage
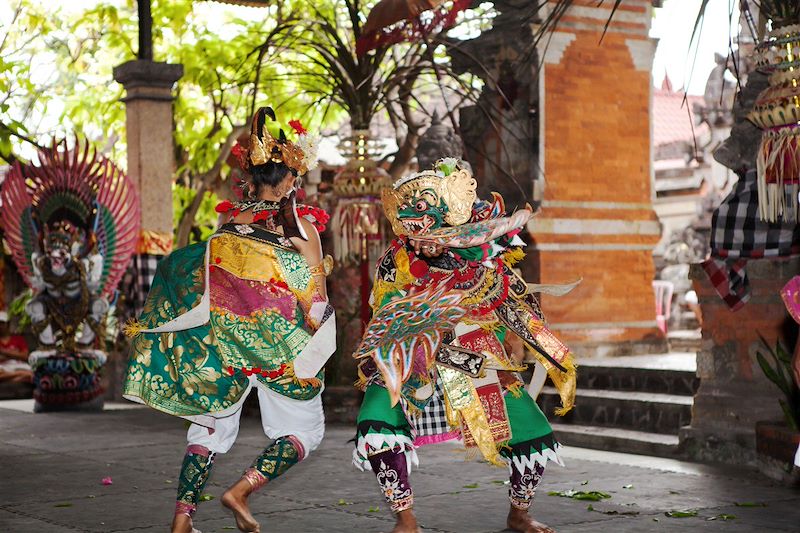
780, 373
218, 48
205, 221
16, 309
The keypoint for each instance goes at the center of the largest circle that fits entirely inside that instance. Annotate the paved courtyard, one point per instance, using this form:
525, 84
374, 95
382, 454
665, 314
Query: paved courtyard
52, 467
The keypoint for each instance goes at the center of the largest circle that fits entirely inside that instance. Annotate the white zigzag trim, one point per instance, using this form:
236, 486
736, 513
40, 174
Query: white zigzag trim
521, 463
383, 442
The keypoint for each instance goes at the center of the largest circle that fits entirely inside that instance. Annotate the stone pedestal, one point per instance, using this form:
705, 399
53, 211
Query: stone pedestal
151, 157
595, 184
734, 394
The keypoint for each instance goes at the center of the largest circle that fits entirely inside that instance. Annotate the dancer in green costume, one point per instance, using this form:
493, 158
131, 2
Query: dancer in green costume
442, 354
247, 309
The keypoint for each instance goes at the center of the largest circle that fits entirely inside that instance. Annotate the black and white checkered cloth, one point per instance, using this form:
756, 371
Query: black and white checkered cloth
433, 419
738, 234
145, 268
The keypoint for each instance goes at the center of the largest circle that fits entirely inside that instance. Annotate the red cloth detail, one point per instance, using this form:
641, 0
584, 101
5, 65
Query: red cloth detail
418, 268
14, 343
224, 206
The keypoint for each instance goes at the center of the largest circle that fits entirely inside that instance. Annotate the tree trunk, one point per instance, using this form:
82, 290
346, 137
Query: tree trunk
206, 179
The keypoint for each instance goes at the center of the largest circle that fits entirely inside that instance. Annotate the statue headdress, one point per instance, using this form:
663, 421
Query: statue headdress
300, 155
78, 197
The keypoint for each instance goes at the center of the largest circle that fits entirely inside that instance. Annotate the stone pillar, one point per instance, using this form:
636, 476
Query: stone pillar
734, 394
151, 157
596, 181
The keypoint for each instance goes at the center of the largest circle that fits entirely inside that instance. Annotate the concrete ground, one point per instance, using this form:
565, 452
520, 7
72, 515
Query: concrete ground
52, 466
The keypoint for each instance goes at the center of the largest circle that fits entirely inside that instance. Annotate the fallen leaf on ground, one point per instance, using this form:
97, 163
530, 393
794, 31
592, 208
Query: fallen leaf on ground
206, 497
627, 486
683, 513
749, 504
593, 495
612, 511
724, 517
107, 481
585, 482
343, 502
471, 486
374, 509
65, 504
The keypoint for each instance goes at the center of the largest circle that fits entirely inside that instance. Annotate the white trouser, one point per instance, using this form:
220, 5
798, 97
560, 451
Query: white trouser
280, 417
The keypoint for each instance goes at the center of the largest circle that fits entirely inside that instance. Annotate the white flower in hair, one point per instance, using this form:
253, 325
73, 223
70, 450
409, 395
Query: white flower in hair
308, 144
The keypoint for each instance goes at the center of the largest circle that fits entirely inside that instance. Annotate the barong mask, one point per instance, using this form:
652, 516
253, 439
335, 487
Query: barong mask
428, 200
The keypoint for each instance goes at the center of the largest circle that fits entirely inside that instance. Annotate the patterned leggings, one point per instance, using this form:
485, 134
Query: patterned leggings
276, 459
383, 437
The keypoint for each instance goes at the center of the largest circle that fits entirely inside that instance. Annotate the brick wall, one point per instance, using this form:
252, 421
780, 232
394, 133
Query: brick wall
734, 394
597, 220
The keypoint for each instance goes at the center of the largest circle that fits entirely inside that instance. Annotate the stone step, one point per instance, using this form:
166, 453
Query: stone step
686, 340
617, 440
639, 411
672, 373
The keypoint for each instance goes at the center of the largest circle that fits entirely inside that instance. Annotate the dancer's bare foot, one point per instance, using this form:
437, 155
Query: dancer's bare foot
182, 523
520, 520
406, 522
235, 499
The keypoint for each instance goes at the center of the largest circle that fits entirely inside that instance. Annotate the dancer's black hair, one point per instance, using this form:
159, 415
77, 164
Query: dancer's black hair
269, 174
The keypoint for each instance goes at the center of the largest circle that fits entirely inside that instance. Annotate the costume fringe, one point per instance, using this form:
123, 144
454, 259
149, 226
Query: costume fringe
513, 256
778, 167
475, 419
132, 328
515, 389
310, 382
362, 381
565, 383
491, 327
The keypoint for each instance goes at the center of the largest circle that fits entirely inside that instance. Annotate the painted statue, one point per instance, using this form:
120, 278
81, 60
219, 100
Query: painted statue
442, 355
72, 224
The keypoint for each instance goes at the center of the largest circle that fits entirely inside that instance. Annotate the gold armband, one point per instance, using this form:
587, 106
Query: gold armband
324, 268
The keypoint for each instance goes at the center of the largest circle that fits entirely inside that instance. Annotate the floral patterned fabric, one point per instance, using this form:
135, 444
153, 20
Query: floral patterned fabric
522, 485
391, 470
261, 293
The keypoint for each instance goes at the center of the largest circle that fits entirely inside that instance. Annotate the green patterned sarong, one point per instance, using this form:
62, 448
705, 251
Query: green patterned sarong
260, 294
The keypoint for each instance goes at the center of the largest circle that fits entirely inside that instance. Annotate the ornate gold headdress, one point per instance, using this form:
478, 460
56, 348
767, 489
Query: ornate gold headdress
300, 156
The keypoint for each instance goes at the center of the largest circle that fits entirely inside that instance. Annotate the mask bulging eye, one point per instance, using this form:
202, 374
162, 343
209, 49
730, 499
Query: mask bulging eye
421, 206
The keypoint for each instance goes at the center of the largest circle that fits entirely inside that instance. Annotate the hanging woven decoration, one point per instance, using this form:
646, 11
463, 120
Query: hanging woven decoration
359, 228
777, 112
358, 223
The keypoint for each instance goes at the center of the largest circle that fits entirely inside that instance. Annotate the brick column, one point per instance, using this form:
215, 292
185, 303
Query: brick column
596, 185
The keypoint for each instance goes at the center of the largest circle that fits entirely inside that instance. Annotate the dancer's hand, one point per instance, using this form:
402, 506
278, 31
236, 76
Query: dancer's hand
428, 249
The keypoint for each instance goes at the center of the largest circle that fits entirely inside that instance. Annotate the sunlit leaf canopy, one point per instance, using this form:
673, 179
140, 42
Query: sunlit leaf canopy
297, 56
300, 57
